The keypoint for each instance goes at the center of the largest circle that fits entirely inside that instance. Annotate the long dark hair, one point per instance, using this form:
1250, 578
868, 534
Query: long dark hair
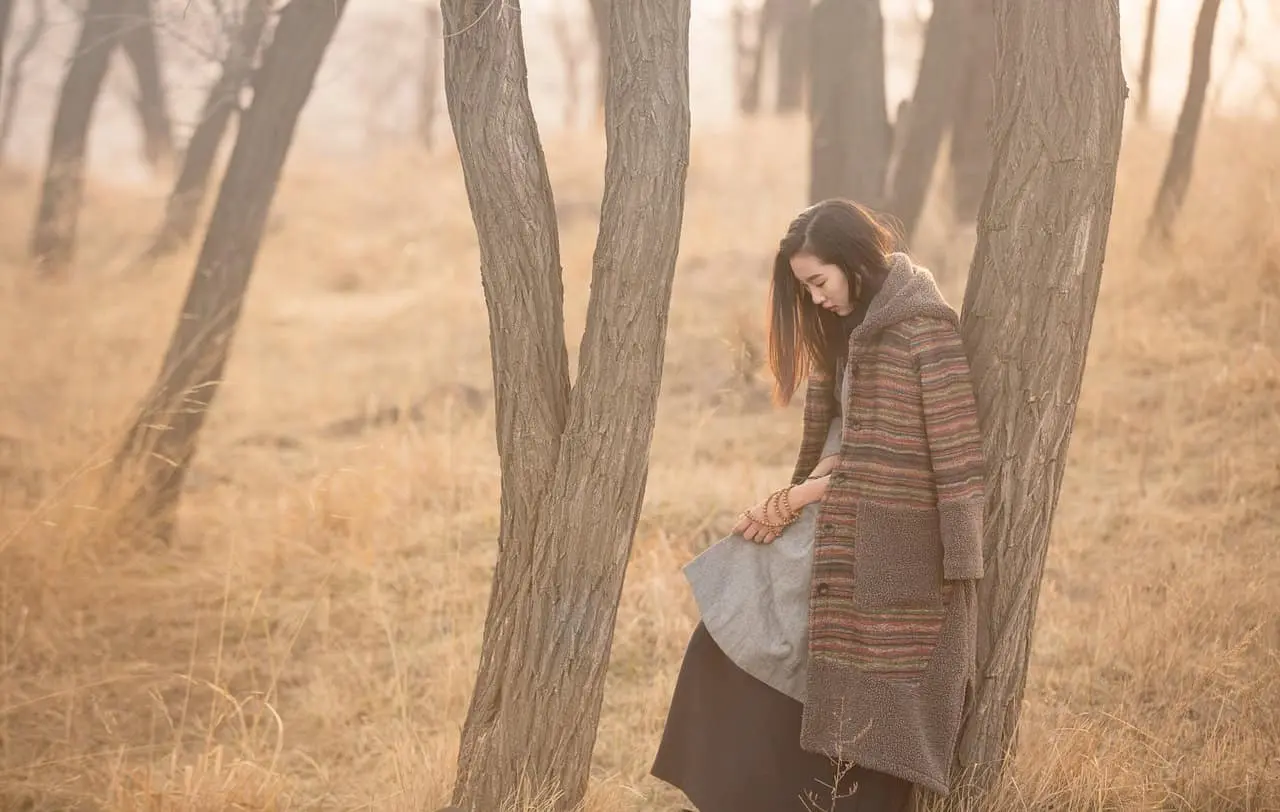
802, 335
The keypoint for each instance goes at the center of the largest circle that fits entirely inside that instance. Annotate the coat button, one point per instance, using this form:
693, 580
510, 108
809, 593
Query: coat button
823, 589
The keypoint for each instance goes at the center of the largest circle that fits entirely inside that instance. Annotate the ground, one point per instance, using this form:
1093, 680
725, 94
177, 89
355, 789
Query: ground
310, 640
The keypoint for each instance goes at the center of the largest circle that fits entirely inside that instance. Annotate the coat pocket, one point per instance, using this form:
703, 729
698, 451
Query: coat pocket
894, 644
898, 559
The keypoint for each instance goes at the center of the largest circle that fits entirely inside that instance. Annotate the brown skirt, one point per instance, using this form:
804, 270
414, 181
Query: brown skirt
732, 744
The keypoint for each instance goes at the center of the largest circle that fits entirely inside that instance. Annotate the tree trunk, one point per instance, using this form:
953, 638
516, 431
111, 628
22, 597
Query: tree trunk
143, 52
848, 110
749, 57
933, 106
970, 150
1144, 72
1177, 172
17, 68
792, 54
183, 207
429, 90
6, 15
572, 481
1027, 316
165, 436
600, 20
54, 236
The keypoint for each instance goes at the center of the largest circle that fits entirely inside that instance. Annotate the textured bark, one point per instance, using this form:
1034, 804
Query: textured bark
574, 462
1144, 72
792, 54
187, 196
1027, 317
165, 437
933, 107
143, 52
17, 67
1177, 172
970, 130
54, 236
848, 110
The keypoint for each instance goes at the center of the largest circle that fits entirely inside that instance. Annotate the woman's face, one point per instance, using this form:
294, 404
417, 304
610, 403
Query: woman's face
826, 283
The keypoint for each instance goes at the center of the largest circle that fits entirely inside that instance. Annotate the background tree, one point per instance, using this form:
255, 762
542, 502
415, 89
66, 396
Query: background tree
6, 17
970, 148
140, 45
16, 70
429, 86
1144, 72
572, 480
1027, 317
792, 57
848, 109
183, 207
1177, 172
157, 452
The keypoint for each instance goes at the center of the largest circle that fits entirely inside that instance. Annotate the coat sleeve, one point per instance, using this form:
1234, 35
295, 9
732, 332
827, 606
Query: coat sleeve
819, 408
955, 446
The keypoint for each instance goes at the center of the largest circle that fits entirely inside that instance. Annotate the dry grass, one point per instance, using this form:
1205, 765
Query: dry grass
310, 641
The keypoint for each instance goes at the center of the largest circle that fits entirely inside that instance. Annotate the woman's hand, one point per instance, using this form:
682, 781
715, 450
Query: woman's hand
752, 529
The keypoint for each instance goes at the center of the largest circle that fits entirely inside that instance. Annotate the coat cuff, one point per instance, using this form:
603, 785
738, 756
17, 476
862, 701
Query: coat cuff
961, 526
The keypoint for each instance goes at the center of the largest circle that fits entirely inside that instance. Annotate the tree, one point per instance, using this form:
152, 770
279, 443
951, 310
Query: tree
1144, 72
574, 458
1177, 172
792, 60
164, 437
139, 42
53, 238
17, 66
6, 15
1027, 316
933, 107
848, 111
970, 149
187, 195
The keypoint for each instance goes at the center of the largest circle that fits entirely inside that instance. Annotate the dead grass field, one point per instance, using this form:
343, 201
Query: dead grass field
310, 641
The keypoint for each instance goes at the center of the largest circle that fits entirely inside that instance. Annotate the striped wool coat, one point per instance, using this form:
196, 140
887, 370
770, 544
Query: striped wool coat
898, 549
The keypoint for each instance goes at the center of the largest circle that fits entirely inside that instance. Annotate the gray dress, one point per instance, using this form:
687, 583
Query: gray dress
754, 598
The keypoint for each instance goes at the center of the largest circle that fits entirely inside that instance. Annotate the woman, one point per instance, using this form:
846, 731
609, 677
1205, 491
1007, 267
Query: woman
838, 628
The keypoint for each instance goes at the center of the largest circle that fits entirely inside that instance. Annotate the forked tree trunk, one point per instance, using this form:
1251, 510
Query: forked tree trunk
1027, 317
970, 149
933, 107
164, 439
792, 54
1144, 72
54, 236
848, 111
429, 89
572, 484
12, 88
1177, 172
183, 208
143, 52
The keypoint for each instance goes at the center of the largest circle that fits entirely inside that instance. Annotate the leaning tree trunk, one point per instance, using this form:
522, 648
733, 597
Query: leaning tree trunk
164, 438
933, 106
848, 112
1177, 172
54, 236
572, 486
1144, 72
792, 54
970, 152
12, 88
143, 52
1027, 316
183, 207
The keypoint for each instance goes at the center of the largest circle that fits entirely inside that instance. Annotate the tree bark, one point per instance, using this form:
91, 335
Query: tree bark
17, 68
1144, 72
933, 107
1027, 317
970, 150
164, 438
573, 477
54, 236
187, 196
429, 90
848, 110
792, 57
1177, 172
143, 52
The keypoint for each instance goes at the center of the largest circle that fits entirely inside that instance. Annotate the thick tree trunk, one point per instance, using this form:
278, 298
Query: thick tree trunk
165, 436
1144, 72
183, 207
933, 107
429, 89
143, 52
1027, 317
792, 54
1177, 172
54, 236
848, 110
17, 68
572, 479
971, 125
600, 21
